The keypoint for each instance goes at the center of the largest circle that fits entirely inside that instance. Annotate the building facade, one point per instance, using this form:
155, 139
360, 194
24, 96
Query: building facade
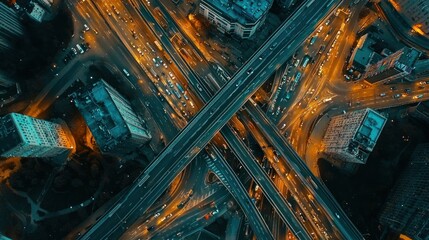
24, 136
10, 28
406, 210
6, 81
415, 12
351, 137
239, 17
286, 3
116, 128
420, 112
397, 65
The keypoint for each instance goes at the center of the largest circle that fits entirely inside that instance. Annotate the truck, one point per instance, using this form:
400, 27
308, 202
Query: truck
158, 45
313, 40
153, 72
297, 77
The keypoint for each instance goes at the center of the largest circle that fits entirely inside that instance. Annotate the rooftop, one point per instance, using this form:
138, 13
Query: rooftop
362, 53
242, 11
370, 129
102, 116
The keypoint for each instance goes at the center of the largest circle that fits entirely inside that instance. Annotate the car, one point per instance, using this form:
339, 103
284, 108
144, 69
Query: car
393, 88
407, 90
250, 71
382, 94
418, 96
151, 228
86, 27
74, 51
396, 96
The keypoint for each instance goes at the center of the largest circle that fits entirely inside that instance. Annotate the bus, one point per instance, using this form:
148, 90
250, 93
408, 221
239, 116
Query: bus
160, 18
305, 61
158, 45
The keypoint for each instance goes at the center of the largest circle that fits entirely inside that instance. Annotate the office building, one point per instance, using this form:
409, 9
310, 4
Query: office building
239, 17
415, 13
406, 210
116, 128
351, 137
10, 28
420, 112
24, 136
397, 65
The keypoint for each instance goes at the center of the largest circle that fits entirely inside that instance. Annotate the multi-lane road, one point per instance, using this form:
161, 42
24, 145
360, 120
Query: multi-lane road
216, 113
142, 49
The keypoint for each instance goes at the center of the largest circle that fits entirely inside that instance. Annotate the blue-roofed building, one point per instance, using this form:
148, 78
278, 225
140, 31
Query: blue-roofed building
116, 128
351, 137
240, 17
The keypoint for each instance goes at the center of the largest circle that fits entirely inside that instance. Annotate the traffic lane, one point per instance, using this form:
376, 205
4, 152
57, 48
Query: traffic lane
261, 178
301, 194
184, 218
320, 193
239, 192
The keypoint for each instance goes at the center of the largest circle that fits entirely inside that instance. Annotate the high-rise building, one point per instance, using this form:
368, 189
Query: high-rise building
362, 53
116, 128
10, 28
415, 12
397, 65
6, 81
286, 3
351, 137
421, 69
240, 17
24, 136
420, 112
406, 210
